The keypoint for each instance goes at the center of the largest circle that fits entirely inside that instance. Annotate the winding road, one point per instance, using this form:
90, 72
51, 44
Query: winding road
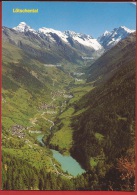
33, 121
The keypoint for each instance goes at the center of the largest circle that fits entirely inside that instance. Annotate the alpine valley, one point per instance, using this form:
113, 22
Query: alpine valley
68, 109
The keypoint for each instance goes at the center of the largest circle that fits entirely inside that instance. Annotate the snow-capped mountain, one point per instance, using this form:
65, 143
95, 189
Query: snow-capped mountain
69, 37
110, 39
79, 40
85, 40
23, 27
49, 32
54, 46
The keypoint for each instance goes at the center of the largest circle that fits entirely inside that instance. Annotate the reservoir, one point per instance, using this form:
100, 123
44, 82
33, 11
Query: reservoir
68, 163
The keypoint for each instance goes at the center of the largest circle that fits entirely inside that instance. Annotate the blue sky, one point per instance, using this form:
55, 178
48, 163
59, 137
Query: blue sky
84, 17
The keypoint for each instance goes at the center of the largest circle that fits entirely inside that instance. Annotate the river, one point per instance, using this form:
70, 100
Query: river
68, 163
39, 138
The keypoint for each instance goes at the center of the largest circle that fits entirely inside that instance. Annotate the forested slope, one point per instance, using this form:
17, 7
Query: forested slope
105, 132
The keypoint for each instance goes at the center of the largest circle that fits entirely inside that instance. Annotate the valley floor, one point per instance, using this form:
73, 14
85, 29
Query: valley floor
32, 143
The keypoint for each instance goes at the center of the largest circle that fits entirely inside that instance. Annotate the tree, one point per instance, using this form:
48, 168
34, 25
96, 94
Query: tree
126, 167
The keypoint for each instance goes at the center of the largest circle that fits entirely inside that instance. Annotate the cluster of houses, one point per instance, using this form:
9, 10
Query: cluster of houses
78, 73
52, 65
61, 93
68, 96
45, 106
78, 79
50, 107
58, 93
18, 130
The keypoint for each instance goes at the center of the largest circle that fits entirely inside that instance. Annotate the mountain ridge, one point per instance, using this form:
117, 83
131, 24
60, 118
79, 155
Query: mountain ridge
107, 40
110, 39
83, 39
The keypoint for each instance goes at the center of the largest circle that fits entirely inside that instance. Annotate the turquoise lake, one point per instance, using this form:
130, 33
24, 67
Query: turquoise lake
68, 163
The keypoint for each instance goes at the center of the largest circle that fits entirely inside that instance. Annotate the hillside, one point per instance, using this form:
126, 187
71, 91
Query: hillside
105, 132
30, 90
110, 62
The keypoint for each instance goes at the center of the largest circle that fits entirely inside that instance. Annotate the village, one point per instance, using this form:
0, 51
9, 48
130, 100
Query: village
18, 130
46, 108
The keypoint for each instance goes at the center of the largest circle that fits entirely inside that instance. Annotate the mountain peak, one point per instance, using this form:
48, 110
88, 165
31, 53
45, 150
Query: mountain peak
109, 39
106, 33
126, 29
22, 23
81, 35
45, 30
23, 27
